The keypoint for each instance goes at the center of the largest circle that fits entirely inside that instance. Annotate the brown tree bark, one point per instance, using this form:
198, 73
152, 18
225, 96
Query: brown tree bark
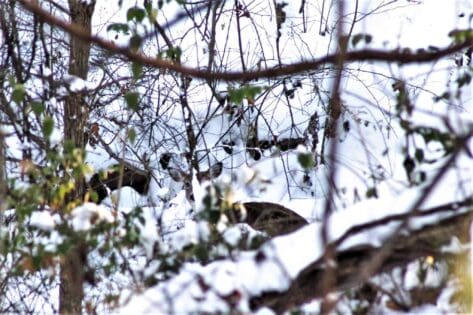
75, 117
3, 181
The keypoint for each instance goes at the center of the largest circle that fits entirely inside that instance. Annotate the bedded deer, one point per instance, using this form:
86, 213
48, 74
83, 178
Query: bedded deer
271, 218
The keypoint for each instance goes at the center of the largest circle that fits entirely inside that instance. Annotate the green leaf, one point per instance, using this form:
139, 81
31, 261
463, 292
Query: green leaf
236, 96
37, 108
248, 92
18, 93
48, 126
306, 160
372, 193
68, 146
135, 42
118, 27
251, 91
132, 135
136, 69
174, 53
461, 36
132, 99
135, 13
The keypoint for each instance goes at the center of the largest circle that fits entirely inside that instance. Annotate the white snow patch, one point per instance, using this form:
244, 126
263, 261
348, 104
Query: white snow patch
42, 220
232, 235
84, 216
76, 84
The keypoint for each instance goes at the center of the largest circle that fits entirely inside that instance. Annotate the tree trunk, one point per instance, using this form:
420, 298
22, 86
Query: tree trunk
75, 117
3, 181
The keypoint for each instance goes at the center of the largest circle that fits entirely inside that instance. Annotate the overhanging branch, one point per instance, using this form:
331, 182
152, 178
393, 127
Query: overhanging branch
405, 248
401, 56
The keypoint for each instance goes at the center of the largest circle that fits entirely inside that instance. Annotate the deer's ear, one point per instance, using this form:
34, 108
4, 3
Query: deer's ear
176, 174
215, 170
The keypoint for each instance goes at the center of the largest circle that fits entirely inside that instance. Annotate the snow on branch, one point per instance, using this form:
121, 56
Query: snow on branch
288, 270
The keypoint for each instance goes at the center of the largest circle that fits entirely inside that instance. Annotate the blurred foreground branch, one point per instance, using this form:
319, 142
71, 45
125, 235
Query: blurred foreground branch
405, 248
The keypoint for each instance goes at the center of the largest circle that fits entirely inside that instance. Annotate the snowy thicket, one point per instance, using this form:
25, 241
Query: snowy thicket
174, 236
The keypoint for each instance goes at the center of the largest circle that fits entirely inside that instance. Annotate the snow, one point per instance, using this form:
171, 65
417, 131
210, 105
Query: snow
56, 136
85, 216
42, 220
285, 256
199, 288
76, 84
233, 234
264, 311
455, 247
162, 192
124, 198
47, 71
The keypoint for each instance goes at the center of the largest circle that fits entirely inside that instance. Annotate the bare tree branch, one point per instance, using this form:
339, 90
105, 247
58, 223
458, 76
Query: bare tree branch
401, 56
